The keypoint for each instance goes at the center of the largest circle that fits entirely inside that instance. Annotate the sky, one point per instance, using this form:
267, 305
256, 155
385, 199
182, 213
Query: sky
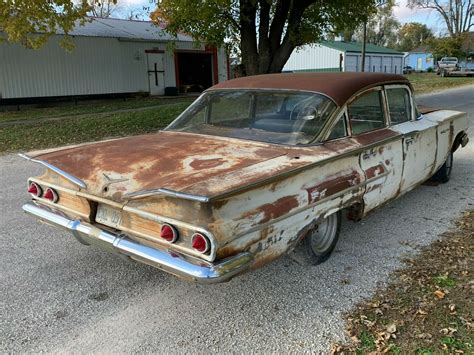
401, 11
425, 16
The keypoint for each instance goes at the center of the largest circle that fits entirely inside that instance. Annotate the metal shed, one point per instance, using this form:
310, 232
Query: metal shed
344, 56
111, 56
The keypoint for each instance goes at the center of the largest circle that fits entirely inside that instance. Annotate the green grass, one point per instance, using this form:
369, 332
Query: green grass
91, 128
367, 342
429, 82
86, 107
444, 281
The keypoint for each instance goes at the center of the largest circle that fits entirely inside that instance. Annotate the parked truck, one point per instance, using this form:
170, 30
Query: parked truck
450, 66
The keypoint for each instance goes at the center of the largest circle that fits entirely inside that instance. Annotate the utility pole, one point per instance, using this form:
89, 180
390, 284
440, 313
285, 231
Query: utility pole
364, 40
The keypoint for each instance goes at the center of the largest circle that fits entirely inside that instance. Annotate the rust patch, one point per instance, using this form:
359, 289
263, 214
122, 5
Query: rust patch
273, 210
375, 136
278, 208
374, 171
200, 164
333, 185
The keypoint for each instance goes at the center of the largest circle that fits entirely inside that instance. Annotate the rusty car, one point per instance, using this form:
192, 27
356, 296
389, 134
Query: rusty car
254, 167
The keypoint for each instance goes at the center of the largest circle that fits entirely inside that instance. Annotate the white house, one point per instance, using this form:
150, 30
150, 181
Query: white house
111, 56
344, 56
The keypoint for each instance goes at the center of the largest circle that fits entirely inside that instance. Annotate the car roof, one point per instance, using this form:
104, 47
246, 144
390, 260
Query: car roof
337, 86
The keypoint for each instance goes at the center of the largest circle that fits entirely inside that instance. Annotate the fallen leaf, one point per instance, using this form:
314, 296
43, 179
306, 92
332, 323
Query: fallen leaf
424, 336
440, 294
392, 328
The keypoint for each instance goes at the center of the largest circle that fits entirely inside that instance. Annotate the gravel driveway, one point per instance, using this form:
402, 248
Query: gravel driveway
59, 296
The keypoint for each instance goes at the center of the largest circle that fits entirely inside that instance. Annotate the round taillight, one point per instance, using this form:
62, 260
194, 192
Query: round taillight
51, 195
169, 233
200, 243
35, 189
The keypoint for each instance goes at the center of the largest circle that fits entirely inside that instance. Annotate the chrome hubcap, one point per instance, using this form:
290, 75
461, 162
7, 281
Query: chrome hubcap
323, 234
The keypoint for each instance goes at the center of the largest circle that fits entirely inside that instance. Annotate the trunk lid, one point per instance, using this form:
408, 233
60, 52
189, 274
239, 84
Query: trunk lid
176, 161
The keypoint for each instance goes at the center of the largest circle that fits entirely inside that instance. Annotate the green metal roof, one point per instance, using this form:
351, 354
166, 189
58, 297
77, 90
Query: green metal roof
357, 47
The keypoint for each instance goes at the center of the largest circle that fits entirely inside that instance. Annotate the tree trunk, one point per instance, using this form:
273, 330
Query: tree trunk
272, 52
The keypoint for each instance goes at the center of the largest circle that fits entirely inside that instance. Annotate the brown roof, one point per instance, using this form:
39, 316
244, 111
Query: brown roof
338, 86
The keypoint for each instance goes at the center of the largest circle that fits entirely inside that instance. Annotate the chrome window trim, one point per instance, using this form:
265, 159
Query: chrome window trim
382, 101
412, 102
341, 114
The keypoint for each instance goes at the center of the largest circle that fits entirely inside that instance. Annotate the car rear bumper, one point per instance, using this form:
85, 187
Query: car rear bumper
171, 262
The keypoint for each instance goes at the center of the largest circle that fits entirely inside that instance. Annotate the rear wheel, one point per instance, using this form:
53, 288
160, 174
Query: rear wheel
320, 242
444, 173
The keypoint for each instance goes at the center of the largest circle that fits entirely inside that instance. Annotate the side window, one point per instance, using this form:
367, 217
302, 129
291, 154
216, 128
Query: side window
399, 105
366, 113
339, 130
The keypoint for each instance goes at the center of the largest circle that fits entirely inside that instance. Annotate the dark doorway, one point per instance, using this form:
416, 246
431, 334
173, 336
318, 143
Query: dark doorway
194, 71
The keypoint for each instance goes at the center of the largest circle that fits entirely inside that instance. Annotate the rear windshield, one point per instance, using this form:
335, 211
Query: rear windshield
267, 116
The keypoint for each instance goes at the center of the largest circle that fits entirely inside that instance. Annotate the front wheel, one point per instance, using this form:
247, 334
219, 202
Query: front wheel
320, 242
444, 173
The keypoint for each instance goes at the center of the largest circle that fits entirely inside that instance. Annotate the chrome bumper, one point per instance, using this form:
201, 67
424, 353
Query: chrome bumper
188, 268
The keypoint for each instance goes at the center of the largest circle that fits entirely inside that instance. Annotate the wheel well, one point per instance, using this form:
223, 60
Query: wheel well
457, 140
355, 211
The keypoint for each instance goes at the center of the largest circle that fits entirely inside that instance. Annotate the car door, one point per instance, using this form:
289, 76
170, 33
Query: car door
380, 152
419, 137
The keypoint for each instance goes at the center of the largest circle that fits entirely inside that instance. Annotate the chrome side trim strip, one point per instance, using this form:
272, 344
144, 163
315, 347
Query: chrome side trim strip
65, 175
171, 262
167, 192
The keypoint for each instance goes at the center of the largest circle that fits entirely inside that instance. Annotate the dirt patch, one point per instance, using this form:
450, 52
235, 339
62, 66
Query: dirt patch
427, 306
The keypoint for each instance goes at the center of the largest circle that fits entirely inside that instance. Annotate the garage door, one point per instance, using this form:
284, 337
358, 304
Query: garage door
397, 65
352, 62
387, 64
376, 64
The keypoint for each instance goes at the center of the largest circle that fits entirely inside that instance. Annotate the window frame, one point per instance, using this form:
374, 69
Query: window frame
412, 103
383, 102
342, 114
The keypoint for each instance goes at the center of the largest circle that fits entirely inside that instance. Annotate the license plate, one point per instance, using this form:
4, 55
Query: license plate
109, 216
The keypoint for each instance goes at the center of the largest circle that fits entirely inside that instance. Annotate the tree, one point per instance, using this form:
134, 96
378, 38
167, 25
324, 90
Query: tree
412, 35
103, 9
458, 15
265, 32
32, 22
447, 47
382, 27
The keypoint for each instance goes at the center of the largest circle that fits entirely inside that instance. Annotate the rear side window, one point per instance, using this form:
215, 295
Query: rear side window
399, 105
339, 130
366, 113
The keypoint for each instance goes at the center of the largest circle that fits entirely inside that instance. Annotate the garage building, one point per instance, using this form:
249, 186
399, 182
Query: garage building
111, 56
344, 56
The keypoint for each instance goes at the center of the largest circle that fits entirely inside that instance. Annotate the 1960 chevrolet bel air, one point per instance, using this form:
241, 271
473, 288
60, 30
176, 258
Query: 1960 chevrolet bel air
253, 167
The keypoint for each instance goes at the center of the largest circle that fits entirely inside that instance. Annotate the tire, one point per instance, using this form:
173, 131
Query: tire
444, 173
320, 242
